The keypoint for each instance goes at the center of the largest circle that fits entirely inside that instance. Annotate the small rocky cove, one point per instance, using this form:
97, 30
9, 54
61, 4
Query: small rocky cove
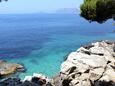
90, 65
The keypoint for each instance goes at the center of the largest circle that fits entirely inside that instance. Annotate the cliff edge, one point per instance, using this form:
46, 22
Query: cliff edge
91, 65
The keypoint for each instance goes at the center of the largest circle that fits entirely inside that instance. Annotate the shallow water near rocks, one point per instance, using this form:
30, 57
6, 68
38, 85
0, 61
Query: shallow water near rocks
41, 41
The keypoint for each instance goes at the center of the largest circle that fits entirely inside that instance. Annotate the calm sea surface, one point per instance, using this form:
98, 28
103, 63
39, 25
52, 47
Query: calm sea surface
41, 41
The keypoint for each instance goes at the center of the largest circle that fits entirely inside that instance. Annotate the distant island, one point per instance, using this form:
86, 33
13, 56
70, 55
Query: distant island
68, 11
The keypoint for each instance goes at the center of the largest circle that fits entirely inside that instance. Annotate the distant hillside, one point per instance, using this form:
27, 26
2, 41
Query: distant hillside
68, 11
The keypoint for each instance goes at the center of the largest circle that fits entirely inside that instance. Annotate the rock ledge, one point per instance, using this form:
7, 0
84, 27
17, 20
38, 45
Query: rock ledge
7, 68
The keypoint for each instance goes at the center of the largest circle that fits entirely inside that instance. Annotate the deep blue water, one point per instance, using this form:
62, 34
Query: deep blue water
41, 41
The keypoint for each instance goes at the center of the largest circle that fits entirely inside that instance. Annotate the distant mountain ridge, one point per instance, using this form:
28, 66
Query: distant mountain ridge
68, 11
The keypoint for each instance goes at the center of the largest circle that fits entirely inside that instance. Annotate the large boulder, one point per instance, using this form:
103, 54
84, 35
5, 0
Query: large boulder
39, 79
7, 68
34, 80
92, 65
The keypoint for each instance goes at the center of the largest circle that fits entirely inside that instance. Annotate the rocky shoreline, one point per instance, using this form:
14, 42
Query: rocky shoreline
91, 65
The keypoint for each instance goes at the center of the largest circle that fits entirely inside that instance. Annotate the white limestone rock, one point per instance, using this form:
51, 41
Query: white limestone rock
92, 64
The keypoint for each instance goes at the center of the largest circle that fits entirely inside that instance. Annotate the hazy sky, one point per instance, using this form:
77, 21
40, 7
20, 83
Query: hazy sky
34, 6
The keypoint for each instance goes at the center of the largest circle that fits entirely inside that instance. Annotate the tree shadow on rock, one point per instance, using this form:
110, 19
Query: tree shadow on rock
104, 83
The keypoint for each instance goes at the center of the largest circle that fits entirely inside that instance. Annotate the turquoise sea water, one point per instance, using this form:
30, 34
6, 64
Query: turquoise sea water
41, 41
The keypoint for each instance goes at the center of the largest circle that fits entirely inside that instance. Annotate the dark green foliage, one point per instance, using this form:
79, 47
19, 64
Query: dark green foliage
3, 0
98, 10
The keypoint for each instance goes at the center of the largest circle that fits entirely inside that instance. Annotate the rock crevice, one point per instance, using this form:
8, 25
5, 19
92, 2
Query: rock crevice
91, 65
